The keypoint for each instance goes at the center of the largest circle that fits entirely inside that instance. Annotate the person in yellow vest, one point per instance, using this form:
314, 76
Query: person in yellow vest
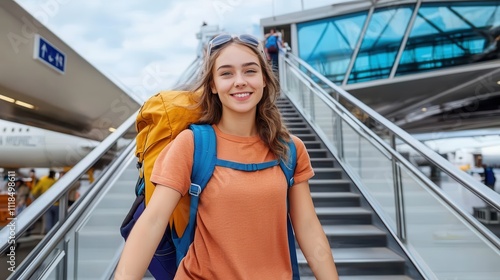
52, 215
31, 183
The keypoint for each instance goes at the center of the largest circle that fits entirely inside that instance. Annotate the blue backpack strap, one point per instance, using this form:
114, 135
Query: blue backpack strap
289, 170
205, 155
289, 166
249, 167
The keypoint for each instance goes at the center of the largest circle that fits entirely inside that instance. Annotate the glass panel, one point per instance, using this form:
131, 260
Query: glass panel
373, 169
460, 196
328, 44
377, 177
381, 44
442, 239
351, 147
306, 99
326, 120
455, 34
291, 83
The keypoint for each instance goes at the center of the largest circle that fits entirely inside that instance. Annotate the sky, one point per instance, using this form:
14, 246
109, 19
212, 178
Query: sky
130, 40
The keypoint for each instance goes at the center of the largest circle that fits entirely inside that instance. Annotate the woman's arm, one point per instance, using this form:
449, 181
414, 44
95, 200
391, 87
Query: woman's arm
146, 234
309, 233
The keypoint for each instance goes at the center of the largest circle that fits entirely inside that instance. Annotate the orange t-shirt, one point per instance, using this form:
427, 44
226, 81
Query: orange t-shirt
241, 228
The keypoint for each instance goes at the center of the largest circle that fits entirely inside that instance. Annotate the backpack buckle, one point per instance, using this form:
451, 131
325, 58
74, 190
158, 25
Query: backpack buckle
194, 189
140, 168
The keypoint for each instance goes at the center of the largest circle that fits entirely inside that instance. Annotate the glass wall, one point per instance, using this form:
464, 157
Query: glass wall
381, 44
443, 34
452, 34
328, 44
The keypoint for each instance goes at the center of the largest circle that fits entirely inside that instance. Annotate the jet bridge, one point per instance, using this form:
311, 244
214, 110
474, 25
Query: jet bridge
45, 83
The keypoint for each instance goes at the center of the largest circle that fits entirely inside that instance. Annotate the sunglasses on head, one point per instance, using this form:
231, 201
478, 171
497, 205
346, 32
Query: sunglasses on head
222, 39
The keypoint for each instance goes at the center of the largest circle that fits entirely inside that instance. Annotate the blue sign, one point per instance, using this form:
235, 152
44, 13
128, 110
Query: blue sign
50, 55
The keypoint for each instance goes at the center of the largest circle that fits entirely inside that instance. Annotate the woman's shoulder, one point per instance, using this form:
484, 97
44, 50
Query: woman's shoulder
296, 140
186, 133
183, 139
300, 147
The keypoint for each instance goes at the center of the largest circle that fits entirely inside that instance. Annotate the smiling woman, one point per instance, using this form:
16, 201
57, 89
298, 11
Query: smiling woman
238, 102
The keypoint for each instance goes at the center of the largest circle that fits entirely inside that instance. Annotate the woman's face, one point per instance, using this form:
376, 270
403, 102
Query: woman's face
238, 80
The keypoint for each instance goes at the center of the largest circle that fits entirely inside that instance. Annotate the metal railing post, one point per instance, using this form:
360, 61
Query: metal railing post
398, 195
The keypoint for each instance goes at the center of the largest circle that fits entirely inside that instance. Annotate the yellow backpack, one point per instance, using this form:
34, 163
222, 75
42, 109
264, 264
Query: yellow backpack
160, 119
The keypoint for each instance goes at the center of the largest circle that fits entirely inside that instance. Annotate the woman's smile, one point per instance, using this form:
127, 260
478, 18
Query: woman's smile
241, 96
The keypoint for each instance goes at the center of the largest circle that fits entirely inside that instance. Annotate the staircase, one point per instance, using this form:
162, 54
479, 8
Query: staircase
360, 248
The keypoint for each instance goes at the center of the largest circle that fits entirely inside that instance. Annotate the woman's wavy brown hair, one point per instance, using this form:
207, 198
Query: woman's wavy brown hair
268, 118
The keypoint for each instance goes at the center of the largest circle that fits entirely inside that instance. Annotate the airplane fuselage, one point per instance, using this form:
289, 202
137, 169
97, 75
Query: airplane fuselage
27, 146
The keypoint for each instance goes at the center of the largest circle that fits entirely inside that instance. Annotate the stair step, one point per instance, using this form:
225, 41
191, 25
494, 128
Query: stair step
293, 120
318, 153
322, 162
114, 200
361, 261
355, 236
312, 144
343, 215
330, 185
297, 125
306, 137
335, 199
104, 218
304, 130
327, 173
288, 113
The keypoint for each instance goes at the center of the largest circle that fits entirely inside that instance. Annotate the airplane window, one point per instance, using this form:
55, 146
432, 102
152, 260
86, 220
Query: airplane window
27, 130
13, 129
20, 129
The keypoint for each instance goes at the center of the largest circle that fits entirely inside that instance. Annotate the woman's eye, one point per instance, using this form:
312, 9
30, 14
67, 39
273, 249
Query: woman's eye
225, 73
251, 71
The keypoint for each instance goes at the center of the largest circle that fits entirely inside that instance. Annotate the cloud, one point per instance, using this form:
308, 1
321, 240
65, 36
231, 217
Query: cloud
125, 40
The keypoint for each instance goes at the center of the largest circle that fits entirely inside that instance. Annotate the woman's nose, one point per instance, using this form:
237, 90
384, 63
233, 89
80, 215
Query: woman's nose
240, 80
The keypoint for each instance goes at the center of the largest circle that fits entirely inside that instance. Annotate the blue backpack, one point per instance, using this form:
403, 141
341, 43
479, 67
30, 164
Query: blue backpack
272, 44
172, 248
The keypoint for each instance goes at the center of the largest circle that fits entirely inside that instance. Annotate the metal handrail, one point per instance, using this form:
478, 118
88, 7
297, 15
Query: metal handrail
58, 192
485, 193
378, 143
311, 88
189, 74
42, 251
359, 128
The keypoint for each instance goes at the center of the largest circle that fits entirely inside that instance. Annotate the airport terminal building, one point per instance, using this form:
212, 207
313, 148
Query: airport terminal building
425, 65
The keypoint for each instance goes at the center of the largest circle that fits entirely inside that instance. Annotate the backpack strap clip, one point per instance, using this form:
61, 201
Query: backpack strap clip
194, 189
